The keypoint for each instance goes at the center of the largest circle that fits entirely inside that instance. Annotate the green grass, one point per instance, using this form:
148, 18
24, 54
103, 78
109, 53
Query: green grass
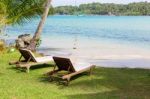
105, 83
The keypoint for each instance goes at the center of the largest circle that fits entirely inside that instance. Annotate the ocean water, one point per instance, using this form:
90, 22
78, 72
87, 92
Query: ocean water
119, 29
95, 37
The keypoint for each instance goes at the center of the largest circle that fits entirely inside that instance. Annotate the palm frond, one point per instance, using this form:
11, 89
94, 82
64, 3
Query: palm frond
20, 11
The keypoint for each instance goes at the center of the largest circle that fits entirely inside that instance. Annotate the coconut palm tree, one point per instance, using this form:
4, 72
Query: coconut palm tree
21, 11
38, 32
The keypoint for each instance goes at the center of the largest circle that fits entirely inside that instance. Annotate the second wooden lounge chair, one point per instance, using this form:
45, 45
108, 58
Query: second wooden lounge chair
65, 64
30, 59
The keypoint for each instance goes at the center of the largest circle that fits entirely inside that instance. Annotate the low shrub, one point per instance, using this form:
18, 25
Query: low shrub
2, 45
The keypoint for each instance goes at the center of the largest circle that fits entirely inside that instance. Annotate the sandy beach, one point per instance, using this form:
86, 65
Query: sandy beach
101, 53
108, 41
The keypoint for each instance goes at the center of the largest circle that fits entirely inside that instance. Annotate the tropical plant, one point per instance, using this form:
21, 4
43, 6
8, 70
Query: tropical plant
2, 45
38, 32
21, 11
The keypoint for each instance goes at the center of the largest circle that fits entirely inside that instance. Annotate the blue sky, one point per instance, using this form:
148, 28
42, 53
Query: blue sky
72, 2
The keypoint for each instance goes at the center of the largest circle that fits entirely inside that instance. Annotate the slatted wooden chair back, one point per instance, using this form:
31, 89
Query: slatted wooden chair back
27, 55
64, 64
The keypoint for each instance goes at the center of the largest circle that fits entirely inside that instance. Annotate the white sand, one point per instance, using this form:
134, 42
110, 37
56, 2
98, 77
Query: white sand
99, 52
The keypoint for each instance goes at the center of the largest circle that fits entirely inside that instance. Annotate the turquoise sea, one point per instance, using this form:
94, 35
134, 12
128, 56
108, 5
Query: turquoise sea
99, 37
122, 29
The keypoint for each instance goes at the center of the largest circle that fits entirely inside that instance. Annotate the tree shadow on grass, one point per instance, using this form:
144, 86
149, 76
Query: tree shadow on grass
41, 66
35, 67
115, 83
104, 95
57, 80
94, 95
108, 83
1, 73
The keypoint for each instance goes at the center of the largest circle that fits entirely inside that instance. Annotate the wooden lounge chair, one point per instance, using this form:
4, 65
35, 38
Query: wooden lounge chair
65, 64
30, 59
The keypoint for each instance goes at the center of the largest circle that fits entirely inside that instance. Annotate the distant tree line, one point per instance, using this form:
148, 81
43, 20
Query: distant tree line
140, 8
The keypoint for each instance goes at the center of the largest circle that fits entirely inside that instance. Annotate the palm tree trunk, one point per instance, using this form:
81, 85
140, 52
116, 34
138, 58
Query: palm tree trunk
38, 32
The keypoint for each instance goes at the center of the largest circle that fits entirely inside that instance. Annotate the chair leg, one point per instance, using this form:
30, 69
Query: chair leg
51, 79
28, 69
68, 81
90, 72
13, 62
52, 72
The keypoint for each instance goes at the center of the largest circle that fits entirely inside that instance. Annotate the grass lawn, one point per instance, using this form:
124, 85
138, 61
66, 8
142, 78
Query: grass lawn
105, 83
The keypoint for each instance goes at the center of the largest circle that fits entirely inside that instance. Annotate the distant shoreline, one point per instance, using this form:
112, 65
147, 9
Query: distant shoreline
131, 9
99, 15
